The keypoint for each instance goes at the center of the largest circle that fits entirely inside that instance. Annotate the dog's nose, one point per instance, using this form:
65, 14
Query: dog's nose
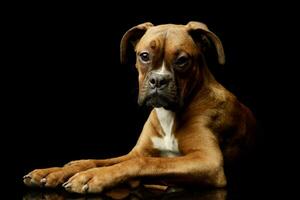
159, 81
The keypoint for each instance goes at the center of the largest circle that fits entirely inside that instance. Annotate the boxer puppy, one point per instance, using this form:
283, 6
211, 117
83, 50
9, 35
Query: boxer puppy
195, 126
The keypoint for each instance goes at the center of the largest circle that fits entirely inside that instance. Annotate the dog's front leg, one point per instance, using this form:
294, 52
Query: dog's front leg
55, 176
193, 168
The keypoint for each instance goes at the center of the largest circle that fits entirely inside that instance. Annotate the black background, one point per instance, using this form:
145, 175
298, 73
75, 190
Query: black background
70, 98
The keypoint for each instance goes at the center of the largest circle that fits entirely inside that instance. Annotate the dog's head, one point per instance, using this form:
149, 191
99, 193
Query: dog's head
169, 60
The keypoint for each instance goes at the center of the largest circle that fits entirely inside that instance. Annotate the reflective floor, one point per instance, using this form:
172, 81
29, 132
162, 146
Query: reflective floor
136, 195
142, 193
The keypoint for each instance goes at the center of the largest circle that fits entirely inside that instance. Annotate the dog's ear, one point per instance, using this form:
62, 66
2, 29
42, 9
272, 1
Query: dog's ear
200, 31
132, 36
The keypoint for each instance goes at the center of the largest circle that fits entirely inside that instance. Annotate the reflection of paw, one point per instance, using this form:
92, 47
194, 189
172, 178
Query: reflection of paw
92, 180
43, 196
49, 177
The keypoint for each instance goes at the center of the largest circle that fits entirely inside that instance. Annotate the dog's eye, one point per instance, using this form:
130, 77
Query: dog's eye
145, 56
181, 61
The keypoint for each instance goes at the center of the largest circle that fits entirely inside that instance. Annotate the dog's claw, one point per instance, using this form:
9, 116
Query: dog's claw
67, 186
85, 188
26, 176
27, 179
64, 184
43, 180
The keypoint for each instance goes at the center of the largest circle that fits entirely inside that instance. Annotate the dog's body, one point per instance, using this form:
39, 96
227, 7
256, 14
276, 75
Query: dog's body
195, 126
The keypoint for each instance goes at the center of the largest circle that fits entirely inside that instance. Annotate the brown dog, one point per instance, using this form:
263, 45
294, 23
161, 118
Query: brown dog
195, 124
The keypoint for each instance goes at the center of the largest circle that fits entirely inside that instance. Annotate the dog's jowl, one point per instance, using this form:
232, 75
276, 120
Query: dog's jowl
195, 126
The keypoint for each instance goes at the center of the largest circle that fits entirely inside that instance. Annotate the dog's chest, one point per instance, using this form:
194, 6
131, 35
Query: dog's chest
167, 144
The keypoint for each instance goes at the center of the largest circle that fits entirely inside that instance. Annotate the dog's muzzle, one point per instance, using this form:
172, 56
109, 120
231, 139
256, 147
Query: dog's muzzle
160, 91
159, 82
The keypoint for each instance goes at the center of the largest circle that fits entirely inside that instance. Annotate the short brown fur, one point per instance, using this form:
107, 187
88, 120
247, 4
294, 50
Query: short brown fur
211, 125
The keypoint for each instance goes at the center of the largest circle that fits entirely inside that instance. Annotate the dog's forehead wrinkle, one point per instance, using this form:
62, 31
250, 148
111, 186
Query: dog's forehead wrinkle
163, 32
169, 38
153, 44
164, 28
178, 39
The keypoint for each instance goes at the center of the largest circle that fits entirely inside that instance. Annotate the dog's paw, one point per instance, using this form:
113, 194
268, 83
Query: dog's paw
55, 176
92, 181
49, 177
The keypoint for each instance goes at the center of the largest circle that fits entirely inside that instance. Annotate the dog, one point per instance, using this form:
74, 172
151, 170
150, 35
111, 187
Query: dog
195, 125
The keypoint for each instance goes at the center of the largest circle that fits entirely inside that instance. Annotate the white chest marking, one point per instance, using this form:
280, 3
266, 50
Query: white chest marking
167, 144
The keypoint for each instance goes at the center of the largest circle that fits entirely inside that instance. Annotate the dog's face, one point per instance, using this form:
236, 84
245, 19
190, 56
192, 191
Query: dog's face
169, 60
166, 59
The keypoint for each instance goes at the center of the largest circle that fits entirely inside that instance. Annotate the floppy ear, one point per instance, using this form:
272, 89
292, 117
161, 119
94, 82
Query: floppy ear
197, 28
132, 36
